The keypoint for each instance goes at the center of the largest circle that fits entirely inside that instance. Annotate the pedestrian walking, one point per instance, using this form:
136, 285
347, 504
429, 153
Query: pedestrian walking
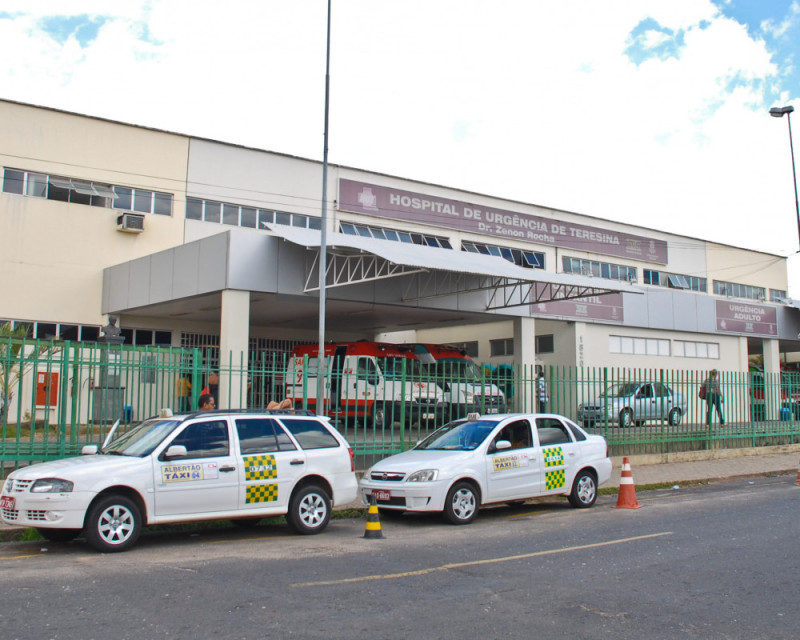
712, 394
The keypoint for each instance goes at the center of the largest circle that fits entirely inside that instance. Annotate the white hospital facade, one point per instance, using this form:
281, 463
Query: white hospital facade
192, 241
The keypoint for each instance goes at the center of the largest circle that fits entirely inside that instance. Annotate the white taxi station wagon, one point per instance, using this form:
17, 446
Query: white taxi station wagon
240, 465
491, 459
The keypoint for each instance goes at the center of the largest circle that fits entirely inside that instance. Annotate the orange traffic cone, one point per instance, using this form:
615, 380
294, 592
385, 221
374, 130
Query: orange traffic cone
798, 478
627, 490
373, 520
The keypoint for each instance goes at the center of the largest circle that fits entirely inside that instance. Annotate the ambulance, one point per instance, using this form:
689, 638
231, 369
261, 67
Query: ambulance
373, 383
465, 389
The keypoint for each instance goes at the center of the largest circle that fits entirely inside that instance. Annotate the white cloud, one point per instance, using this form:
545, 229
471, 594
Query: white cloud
534, 101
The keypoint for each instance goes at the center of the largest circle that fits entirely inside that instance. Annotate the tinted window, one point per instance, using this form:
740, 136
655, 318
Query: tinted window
205, 439
311, 434
552, 431
262, 435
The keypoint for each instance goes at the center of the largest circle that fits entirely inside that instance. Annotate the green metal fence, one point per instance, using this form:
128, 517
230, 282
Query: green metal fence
56, 397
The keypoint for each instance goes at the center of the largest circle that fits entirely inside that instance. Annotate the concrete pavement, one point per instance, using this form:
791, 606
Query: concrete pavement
690, 467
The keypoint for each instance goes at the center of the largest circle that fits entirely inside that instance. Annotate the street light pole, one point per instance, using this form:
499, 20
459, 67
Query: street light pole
323, 254
777, 112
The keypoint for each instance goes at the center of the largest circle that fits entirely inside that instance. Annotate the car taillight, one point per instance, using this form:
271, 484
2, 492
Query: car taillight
352, 459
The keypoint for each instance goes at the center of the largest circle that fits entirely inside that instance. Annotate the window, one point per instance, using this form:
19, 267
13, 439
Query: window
242, 216
367, 231
262, 435
504, 347
778, 295
691, 349
545, 344
551, 431
517, 433
310, 433
527, 259
593, 268
75, 191
204, 439
674, 280
736, 290
638, 346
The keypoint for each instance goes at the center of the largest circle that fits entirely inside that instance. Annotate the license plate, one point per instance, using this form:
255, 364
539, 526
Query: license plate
7, 502
492, 410
429, 416
379, 494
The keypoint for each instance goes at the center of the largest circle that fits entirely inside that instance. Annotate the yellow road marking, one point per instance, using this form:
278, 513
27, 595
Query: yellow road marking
31, 555
458, 565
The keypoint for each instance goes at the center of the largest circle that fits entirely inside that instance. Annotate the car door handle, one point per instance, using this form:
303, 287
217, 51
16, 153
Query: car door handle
297, 462
227, 469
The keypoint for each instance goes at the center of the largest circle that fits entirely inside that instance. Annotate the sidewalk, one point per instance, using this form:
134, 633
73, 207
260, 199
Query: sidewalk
677, 468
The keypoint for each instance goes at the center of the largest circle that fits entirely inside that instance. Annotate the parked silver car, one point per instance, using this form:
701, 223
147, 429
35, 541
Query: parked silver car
634, 403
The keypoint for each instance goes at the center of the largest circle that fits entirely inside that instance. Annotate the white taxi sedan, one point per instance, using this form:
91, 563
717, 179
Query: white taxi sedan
491, 459
239, 465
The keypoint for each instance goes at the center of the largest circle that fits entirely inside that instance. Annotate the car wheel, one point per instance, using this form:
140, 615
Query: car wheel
309, 510
625, 418
675, 416
113, 524
461, 505
378, 417
59, 535
584, 490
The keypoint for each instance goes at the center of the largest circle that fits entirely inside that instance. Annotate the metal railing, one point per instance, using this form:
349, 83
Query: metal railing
56, 397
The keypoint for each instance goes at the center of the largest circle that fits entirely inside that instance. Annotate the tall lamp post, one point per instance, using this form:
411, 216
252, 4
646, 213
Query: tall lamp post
777, 112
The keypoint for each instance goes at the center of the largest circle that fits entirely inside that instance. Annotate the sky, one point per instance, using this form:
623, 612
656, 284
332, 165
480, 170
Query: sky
650, 112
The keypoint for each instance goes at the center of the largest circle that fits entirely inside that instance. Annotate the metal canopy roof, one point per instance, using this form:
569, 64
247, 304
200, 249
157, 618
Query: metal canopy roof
438, 272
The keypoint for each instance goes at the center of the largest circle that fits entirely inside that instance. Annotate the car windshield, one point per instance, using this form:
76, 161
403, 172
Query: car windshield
392, 367
622, 390
461, 435
142, 439
455, 369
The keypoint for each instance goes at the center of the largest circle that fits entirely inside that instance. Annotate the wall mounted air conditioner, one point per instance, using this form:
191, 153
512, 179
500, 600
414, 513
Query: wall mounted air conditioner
130, 223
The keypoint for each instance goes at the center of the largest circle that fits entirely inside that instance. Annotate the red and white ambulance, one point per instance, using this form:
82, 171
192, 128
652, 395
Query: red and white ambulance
466, 390
374, 382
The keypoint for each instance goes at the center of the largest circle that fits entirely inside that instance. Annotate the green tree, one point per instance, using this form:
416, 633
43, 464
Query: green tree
11, 342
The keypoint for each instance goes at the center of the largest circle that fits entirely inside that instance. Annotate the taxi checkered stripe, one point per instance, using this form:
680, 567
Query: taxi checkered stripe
553, 456
554, 479
261, 493
260, 467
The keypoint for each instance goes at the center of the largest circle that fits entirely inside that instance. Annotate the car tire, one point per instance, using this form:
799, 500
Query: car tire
462, 503
113, 524
626, 418
309, 510
378, 417
675, 416
58, 535
584, 490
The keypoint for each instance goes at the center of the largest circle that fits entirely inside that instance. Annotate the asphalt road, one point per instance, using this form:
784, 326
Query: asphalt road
715, 561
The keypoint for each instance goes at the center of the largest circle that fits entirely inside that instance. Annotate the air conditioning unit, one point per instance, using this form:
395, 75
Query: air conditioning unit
130, 223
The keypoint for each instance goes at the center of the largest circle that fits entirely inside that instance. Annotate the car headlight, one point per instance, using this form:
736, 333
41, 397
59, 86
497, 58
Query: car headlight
52, 485
424, 475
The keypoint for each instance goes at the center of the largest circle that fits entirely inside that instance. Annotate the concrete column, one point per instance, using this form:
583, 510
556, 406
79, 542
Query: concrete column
525, 364
772, 378
234, 337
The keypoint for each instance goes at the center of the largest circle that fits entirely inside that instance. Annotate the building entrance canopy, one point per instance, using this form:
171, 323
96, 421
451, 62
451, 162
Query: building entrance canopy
438, 272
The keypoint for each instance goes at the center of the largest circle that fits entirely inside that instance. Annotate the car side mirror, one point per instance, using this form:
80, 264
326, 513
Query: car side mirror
502, 445
89, 450
175, 451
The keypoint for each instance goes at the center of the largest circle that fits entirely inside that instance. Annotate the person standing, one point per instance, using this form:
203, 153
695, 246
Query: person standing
714, 399
542, 394
183, 389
